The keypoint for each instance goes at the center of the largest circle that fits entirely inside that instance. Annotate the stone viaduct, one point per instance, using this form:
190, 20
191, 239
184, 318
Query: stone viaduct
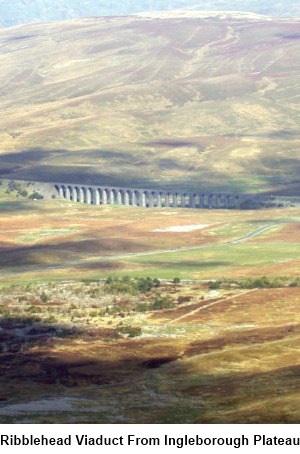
102, 195
152, 198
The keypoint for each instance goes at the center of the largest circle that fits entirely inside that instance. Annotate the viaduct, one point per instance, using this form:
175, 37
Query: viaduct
102, 195
156, 198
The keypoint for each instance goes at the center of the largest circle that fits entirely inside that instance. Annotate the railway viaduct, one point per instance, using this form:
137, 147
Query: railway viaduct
153, 198
102, 195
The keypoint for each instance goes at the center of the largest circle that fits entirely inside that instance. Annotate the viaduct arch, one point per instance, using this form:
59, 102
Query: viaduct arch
148, 198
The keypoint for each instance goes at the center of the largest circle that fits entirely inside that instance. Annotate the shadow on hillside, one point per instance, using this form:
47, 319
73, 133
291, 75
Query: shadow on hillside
31, 156
59, 254
266, 221
291, 36
186, 264
277, 134
101, 265
42, 255
17, 162
15, 205
49, 166
242, 397
176, 143
246, 337
18, 332
106, 167
23, 354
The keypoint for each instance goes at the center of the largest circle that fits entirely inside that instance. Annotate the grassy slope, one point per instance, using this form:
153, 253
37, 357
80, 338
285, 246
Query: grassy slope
173, 102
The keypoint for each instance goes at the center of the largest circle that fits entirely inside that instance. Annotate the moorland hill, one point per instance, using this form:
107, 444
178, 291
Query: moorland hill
180, 99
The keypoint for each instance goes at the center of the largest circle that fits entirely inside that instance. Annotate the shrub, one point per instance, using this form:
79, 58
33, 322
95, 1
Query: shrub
145, 285
266, 282
36, 195
94, 313
33, 310
94, 293
156, 282
129, 285
44, 298
129, 331
162, 302
121, 286
215, 285
13, 186
51, 319
141, 307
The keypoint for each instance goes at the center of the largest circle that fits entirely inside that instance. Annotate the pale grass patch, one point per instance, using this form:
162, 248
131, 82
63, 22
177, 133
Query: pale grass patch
183, 228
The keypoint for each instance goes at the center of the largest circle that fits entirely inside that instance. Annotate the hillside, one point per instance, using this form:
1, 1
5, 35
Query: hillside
178, 100
17, 12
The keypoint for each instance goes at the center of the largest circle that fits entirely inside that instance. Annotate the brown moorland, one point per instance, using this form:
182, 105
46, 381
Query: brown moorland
175, 100
235, 361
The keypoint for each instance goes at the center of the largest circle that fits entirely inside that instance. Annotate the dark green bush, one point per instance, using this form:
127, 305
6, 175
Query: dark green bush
258, 282
44, 298
162, 302
214, 285
36, 195
129, 285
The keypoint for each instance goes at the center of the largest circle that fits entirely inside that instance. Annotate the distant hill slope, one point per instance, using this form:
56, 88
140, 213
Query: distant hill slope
14, 12
179, 101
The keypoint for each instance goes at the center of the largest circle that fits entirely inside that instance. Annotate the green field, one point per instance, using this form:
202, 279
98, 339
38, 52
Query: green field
218, 261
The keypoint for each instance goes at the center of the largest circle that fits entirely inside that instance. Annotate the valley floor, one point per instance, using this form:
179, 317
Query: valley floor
123, 315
